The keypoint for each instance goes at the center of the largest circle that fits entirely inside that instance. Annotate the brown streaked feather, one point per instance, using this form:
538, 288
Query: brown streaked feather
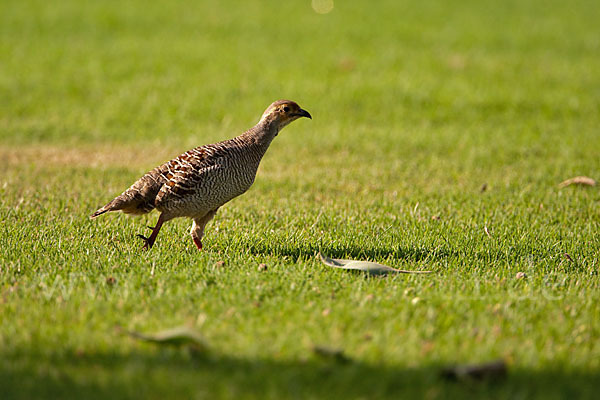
188, 171
140, 198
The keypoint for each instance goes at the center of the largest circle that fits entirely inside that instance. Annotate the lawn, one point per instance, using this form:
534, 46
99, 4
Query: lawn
440, 133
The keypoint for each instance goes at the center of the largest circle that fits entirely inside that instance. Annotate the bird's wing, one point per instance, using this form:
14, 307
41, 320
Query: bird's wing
183, 174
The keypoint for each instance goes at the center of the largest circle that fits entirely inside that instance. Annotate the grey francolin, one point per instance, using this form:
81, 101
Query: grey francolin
201, 180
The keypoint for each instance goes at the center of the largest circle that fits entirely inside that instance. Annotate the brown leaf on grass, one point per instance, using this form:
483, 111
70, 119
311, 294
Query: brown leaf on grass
578, 180
331, 354
457, 61
492, 370
366, 266
346, 64
177, 337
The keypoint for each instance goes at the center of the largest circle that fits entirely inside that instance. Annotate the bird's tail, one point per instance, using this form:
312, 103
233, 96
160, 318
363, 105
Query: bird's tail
137, 199
108, 207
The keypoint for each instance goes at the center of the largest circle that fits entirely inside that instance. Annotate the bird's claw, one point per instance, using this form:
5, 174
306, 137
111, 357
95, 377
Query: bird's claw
146, 241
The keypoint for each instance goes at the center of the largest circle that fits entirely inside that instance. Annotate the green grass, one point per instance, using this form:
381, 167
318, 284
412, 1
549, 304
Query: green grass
415, 106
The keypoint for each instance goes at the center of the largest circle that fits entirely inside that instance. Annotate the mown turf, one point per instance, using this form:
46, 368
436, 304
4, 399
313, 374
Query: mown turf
417, 108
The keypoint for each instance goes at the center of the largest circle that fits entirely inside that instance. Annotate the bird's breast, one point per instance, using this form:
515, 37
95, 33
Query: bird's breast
230, 179
217, 183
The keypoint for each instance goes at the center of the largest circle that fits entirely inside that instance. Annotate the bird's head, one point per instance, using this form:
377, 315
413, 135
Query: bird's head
282, 112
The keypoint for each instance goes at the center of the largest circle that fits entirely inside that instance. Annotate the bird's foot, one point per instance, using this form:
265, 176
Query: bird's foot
198, 243
147, 244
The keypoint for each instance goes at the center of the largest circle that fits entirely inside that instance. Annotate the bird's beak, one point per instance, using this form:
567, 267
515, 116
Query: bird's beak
304, 113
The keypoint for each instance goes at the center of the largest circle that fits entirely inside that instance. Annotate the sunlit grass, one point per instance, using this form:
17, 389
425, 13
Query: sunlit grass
440, 134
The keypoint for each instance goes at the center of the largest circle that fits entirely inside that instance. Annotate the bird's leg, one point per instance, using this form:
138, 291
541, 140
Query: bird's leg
197, 230
149, 241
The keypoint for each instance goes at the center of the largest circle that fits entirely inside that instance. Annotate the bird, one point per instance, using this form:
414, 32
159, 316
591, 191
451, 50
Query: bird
201, 180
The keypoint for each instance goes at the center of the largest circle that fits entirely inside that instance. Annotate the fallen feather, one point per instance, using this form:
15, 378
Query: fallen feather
366, 266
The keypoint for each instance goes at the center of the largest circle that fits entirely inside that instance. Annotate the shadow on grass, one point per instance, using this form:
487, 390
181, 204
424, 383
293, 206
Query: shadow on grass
174, 374
350, 251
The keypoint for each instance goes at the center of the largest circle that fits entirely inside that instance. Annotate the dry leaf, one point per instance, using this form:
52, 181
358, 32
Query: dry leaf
578, 180
180, 336
491, 370
330, 354
366, 266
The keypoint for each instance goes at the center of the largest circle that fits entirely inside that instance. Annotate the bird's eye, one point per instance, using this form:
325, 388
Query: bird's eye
286, 109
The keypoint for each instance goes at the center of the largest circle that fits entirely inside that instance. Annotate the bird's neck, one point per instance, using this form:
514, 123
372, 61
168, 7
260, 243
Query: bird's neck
262, 134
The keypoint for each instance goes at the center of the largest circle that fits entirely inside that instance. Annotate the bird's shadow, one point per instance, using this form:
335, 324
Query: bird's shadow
372, 253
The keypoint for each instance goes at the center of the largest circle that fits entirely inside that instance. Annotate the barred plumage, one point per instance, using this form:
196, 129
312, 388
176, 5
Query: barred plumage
202, 179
